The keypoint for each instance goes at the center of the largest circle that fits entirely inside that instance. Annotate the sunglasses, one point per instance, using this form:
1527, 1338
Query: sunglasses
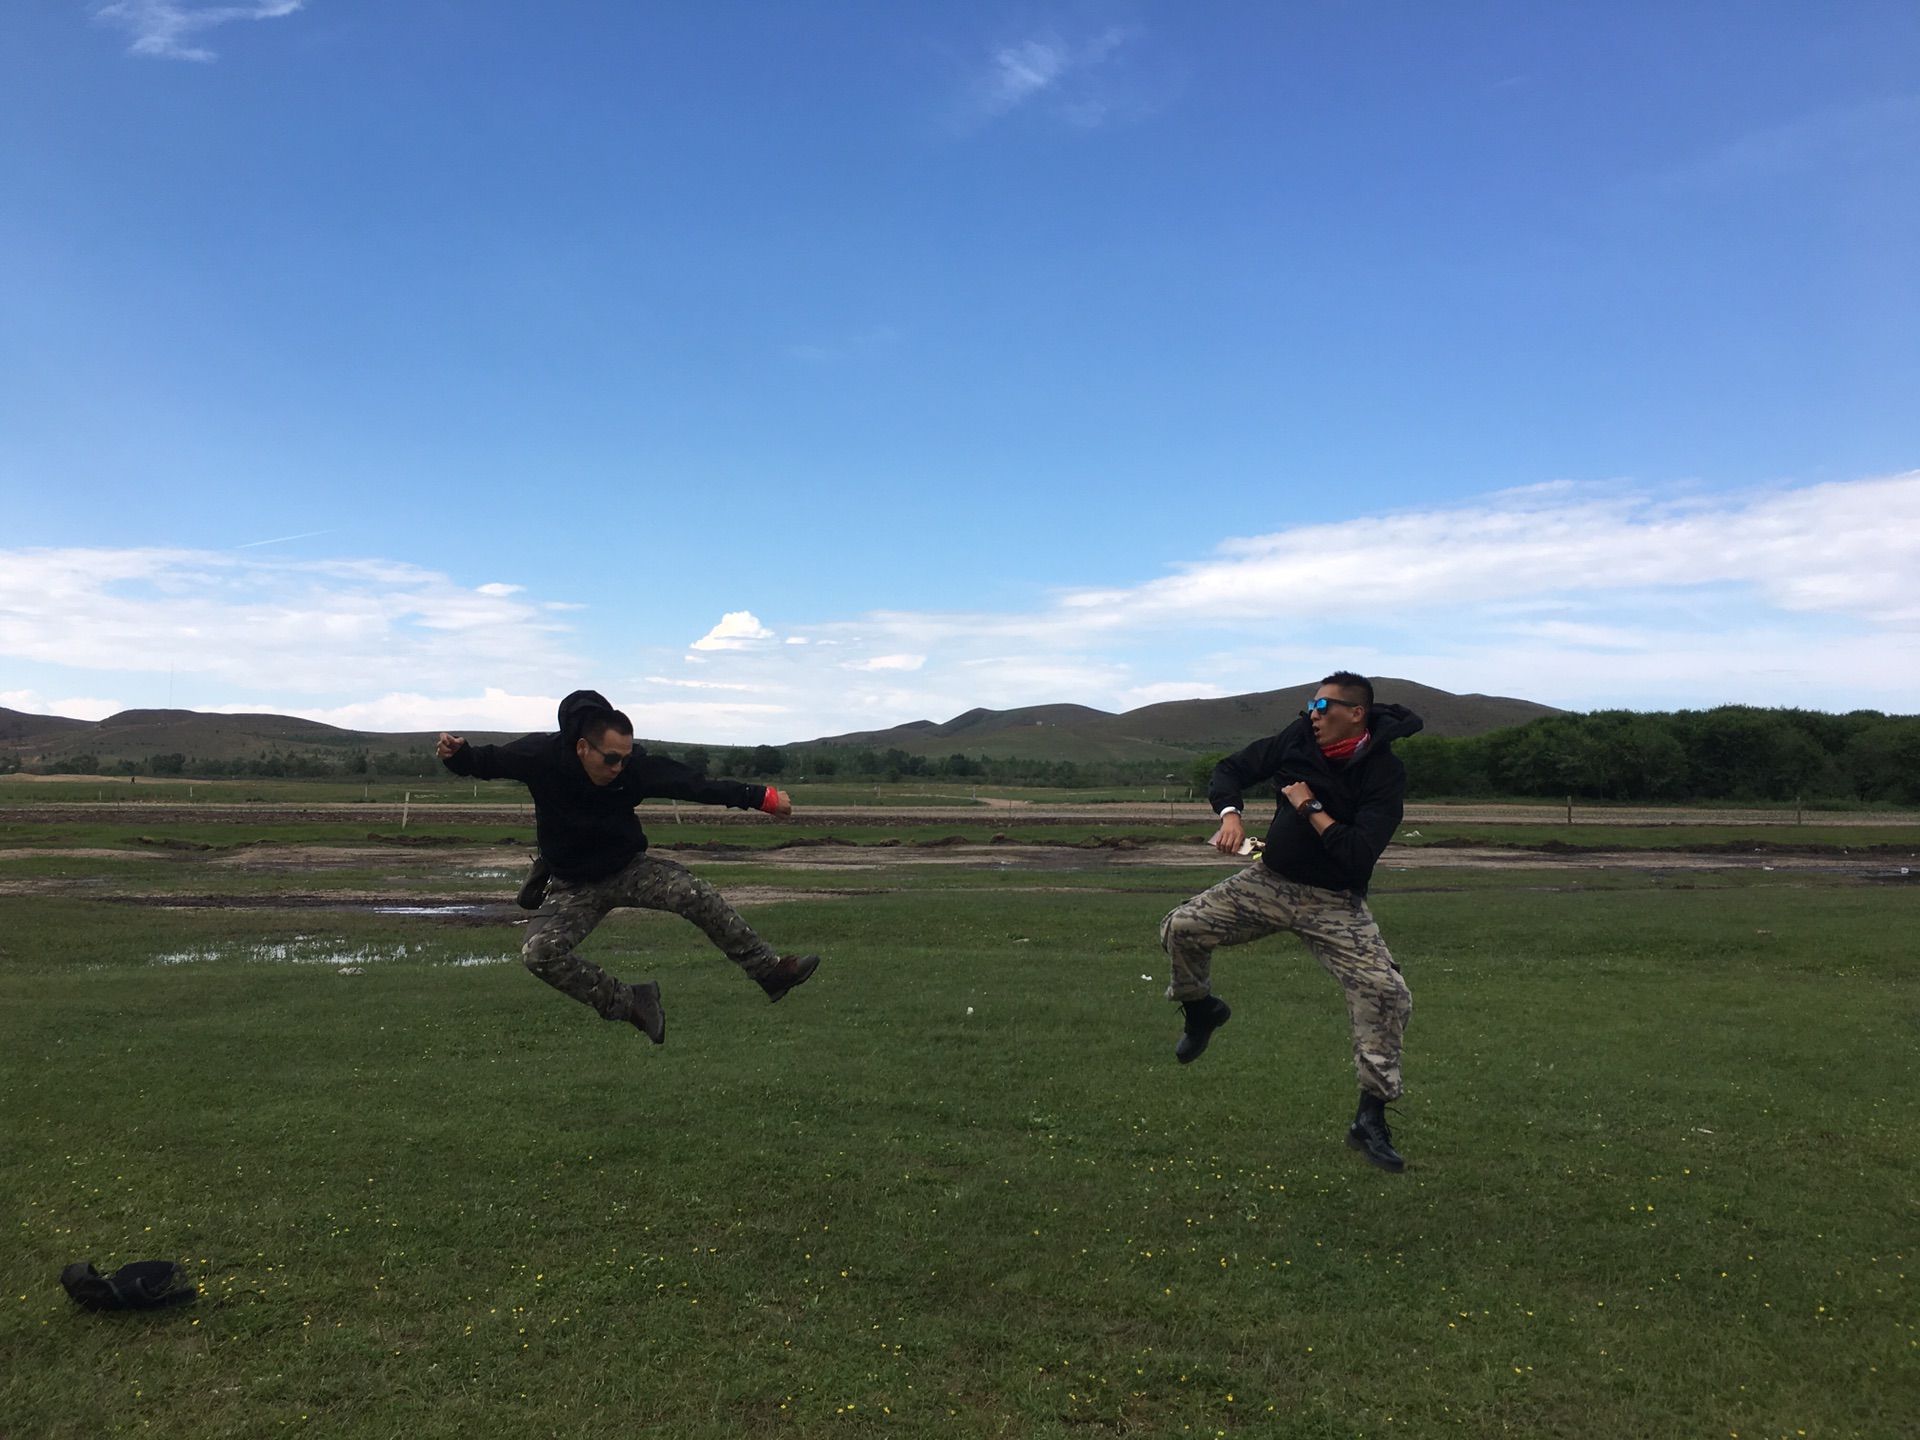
611, 761
1319, 706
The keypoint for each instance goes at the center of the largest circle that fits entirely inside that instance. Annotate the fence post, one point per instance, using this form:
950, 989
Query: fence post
405, 804
1569, 809
1799, 810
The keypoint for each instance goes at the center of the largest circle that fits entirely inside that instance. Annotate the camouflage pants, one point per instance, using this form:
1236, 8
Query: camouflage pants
572, 910
1338, 931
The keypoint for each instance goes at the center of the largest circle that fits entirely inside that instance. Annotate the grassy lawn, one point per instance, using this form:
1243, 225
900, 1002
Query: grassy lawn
1661, 1145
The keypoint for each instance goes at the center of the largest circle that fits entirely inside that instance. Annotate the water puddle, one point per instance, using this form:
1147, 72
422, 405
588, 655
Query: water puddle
430, 909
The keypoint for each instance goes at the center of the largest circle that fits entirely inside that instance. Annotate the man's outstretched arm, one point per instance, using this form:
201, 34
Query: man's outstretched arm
487, 762
671, 780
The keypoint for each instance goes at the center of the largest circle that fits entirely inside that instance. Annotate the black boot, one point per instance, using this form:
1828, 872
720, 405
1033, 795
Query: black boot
1369, 1135
1203, 1018
535, 890
645, 1013
791, 970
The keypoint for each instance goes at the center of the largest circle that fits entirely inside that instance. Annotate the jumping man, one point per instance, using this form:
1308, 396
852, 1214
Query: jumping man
1342, 792
586, 781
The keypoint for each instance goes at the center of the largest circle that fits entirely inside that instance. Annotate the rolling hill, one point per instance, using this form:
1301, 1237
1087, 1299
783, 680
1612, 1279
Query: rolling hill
1173, 731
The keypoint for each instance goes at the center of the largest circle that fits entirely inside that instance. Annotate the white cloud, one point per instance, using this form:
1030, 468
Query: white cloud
1019, 72
1846, 548
304, 627
498, 590
857, 345
72, 707
1576, 595
724, 722
887, 662
411, 711
736, 631
1050, 67
698, 684
1165, 690
1826, 140
164, 29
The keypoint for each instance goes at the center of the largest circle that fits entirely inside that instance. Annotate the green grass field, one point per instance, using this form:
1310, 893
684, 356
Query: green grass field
1661, 1139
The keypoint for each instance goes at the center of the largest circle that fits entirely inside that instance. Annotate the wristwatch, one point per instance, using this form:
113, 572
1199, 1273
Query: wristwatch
1312, 807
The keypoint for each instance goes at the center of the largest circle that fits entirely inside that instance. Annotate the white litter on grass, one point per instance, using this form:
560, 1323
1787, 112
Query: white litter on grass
969, 1009
1146, 977
306, 950
293, 952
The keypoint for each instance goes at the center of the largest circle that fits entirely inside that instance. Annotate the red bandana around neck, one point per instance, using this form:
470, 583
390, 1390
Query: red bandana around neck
1345, 748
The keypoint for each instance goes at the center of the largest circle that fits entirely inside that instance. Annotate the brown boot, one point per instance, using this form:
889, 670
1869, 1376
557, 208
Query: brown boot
791, 970
643, 1010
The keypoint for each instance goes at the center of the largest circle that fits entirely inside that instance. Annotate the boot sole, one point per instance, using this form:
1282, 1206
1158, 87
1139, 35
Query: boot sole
774, 997
652, 988
1200, 1047
1355, 1143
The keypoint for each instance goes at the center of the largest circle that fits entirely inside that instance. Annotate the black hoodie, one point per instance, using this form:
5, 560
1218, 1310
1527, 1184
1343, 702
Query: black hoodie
588, 831
1365, 796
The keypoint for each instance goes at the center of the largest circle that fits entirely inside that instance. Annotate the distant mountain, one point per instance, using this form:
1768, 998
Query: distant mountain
17, 725
1175, 729
137, 734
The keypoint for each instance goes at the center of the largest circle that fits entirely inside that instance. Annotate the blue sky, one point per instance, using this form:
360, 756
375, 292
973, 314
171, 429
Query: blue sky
789, 369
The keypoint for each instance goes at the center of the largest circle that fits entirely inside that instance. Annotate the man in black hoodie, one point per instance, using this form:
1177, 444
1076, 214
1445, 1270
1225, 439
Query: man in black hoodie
586, 781
1342, 792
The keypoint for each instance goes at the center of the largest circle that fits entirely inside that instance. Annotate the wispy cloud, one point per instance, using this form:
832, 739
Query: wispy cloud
1069, 75
853, 346
1825, 140
166, 29
282, 539
886, 662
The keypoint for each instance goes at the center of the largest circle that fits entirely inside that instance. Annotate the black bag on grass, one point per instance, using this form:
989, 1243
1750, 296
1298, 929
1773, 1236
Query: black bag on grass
143, 1285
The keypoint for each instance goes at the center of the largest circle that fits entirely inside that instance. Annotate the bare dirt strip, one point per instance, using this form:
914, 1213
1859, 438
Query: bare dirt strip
465, 883
664, 813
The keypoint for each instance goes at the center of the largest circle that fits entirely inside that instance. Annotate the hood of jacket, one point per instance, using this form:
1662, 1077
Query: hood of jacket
1393, 722
577, 709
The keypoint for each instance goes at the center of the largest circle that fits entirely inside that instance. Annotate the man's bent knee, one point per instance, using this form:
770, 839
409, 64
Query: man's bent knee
1176, 925
540, 955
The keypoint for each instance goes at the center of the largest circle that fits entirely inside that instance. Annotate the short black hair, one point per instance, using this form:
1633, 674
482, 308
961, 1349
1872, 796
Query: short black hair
596, 725
1351, 683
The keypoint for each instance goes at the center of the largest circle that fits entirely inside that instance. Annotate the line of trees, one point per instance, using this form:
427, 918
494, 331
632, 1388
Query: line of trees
1735, 752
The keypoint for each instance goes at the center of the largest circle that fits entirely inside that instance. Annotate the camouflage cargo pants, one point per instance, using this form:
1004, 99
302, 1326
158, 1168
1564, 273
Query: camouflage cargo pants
572, 910
1339, 932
